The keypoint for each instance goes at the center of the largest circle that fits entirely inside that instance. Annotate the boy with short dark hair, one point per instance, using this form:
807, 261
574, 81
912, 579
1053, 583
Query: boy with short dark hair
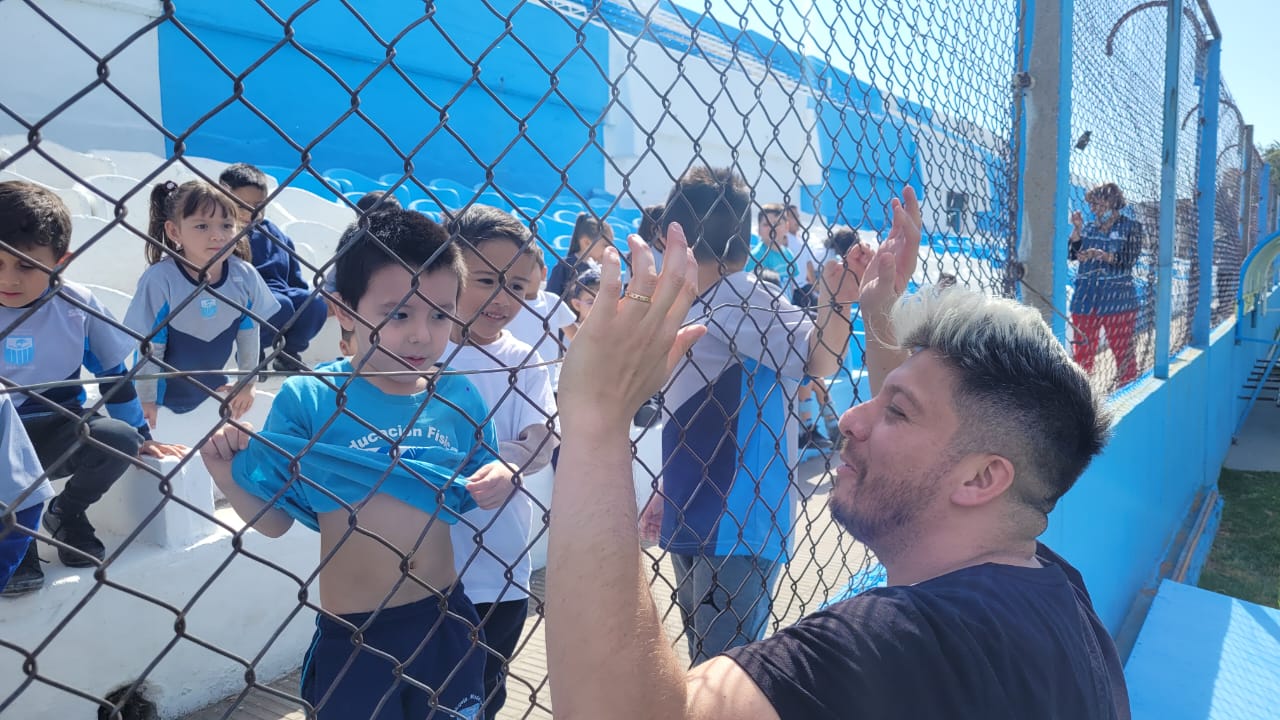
276, 260
727, 523
491, 549
376, 459
50, 333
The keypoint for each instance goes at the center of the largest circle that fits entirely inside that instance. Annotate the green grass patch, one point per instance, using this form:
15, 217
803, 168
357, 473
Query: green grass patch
1245, 561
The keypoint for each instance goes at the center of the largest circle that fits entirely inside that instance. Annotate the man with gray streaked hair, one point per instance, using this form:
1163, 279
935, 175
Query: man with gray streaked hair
979, 422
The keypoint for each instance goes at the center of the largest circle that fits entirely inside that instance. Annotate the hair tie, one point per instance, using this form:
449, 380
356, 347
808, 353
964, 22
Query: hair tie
170, 186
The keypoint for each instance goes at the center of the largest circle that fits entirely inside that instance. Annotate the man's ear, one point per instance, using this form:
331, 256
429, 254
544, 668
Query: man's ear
985, 478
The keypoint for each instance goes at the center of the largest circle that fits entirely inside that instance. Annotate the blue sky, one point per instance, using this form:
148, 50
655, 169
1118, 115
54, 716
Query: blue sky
1249, 38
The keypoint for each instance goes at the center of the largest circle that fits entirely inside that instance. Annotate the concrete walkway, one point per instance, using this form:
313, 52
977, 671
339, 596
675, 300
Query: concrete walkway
825, 559
1257, 448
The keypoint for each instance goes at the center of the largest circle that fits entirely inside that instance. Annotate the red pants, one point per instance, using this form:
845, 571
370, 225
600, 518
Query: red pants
1119, 327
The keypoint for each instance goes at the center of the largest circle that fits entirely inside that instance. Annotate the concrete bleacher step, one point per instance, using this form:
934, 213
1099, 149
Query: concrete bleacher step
1205, 656
100, 636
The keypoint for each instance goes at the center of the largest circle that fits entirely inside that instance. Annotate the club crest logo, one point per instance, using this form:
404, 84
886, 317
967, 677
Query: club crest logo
470, 708
208, 307
19, 349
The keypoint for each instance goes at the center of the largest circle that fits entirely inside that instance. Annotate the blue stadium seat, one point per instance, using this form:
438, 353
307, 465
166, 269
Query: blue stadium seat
357, 180
304, 181
560, 244
448, 197
631, 216
528, 200
491, 197
602, 202
621, 229
568, 216
463, 192
427, 207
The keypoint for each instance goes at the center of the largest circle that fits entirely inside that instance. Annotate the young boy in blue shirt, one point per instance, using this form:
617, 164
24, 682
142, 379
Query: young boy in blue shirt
377, 459
50, 332
277, 262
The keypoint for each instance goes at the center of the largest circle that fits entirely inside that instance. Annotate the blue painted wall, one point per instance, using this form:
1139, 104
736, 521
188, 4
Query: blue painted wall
434, 114
1117, 524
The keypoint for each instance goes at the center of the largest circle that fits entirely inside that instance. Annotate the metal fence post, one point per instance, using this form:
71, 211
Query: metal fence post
1264, 195
1208, 189
1246, 186
1168, 189
1044, 75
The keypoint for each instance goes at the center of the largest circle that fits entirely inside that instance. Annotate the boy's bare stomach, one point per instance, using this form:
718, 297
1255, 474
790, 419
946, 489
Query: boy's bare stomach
410, 553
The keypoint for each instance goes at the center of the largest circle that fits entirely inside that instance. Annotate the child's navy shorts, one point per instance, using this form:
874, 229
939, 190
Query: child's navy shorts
410, 662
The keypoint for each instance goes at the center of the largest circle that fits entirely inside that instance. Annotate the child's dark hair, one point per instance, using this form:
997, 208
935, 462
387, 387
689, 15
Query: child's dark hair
650, 229
480, 223
173, 202
534, 250
587, 226
377, 200
33, 216
390, 237
587, 281
713, 206
241, 175
841, 239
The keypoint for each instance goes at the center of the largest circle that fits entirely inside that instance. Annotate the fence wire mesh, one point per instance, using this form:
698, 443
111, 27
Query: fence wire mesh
1117, 103
535, 134
1253, 198
1186, 260
1228, 243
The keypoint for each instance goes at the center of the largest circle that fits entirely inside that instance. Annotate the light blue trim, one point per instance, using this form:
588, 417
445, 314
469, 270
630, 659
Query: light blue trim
1244, 272
762, 470
1208, 182
1168, 188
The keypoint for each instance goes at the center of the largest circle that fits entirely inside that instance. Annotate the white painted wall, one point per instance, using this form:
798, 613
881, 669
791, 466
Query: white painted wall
950, 164
773, 167
43, 68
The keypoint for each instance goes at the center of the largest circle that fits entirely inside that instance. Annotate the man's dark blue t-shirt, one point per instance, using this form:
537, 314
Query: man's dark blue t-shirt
990, 642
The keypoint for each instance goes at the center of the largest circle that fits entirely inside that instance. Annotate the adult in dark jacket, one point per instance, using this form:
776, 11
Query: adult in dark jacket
1106, 296
302, 313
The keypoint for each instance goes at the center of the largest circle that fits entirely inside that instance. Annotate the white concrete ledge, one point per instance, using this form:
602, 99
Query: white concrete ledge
158, 604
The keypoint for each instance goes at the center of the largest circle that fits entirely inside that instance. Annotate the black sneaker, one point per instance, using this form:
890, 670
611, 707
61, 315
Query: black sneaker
810, 438
285, 362
28, 577
73, 529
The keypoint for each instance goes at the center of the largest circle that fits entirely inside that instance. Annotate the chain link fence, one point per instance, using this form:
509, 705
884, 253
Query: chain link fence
1186, 259
532, 135
1228, 244
1117, 101
1253, 198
